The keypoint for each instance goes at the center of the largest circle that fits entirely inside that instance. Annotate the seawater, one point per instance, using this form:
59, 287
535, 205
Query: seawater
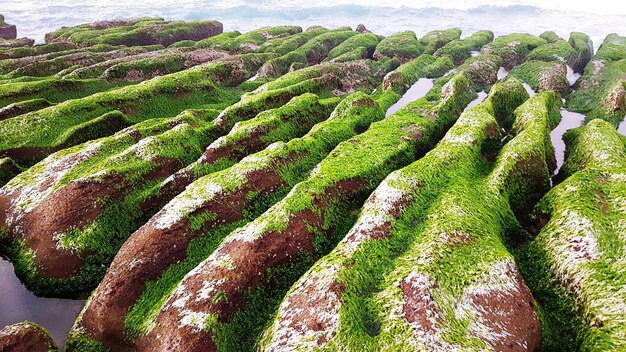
598, 18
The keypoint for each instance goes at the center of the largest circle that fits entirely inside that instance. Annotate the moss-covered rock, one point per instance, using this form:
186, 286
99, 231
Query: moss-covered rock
403, 46
237, 43
74, 59
542, 75
142, 31
26, 337
584, 46
66, 216
8, 170
461, 49
41, 49
201, 220
602, 88
34, 135
481, 71
424, 268
513, 48
293, 232
23, 107
575, 265
368, 41
550, 37
434, 40
16, 43
397, 82
313, 52
613, 48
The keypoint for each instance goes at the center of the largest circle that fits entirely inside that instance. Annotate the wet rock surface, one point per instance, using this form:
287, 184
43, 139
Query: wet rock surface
25, 337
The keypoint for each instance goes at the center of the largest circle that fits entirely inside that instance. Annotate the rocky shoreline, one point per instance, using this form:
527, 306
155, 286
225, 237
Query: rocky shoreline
227, 191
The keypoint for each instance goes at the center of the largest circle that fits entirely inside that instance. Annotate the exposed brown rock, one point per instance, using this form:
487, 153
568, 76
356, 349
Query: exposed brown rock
151, 250
7, 31
249, 260
25, 337
361, 28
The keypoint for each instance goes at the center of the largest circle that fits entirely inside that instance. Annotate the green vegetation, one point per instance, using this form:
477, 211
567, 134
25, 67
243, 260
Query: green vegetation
575, 264
367, 41
423, 244
53, 128
434, 40
313, 52
481, 71
461, 49
513, 48
8, 170
402, 45
602, 88
193, 176
135, 166
337, 187
142, 31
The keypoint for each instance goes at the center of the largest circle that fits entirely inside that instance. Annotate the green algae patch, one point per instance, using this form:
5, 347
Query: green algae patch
96, 190
513, 48
543, 76
395, 140
313, 52
52, 90
291, 162
574, 266
405, 276
16, 53
481, 71
461, 49
612, 49
550, 37
602, 87
434, 40
368, 41
403, 46
143, 31
23, 107
160, 97
235, 42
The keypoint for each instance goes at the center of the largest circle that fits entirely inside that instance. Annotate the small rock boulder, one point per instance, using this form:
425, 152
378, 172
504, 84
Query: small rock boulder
27, 337
7, 31
361, 28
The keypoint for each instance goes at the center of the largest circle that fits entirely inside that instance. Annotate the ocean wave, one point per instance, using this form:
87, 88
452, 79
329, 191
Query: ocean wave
386, 17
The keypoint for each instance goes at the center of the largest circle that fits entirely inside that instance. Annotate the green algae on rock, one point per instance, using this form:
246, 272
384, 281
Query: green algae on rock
513, 48
434, 40
423, 267
315, 214
602, 88
461, 49
575, 264
91, 196
26, 337
199, 220
142, 31
547, 66
403, 46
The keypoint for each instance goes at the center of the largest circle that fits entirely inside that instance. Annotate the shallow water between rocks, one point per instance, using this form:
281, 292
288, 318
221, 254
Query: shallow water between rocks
18, 304
569, 120
417, 90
